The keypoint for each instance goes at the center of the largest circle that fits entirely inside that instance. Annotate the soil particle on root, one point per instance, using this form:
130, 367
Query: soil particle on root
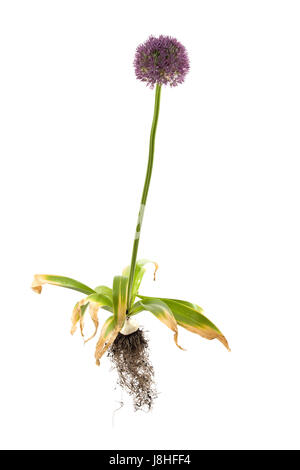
129, 355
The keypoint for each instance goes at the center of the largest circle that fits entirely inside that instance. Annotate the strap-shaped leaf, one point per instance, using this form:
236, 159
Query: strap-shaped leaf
107, 291
40, 279
136, 308
104, 290
192, 319
161, 311
189, 304
94, 302
119, 296
114, 324
138, 275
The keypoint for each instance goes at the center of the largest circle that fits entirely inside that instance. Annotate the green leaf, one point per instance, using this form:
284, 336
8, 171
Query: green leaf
138, 276
104, 290
41, 279
189, 304
161, 311
119, 296
101, 299
109, 309
192, 319
136, 308
115, 323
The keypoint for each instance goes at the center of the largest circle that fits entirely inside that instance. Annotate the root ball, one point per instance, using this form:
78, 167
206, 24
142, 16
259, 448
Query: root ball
129, 355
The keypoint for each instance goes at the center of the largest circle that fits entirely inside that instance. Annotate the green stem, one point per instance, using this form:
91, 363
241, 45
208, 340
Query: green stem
145, 192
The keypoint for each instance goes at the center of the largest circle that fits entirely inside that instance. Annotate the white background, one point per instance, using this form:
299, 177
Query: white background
222, 219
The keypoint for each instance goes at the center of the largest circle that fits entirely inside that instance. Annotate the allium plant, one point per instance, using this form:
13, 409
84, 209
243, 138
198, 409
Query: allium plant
158, 61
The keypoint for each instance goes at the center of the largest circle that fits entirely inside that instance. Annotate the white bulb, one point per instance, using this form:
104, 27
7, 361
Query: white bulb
130, 326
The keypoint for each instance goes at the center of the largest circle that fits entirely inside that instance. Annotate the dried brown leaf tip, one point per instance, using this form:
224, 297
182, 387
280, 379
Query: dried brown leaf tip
93, 311
77, 316
79, 313
37, 283
168, 319
207, 333
155, 270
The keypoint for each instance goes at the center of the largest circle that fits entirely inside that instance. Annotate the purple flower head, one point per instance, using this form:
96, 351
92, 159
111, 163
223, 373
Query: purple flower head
161, 60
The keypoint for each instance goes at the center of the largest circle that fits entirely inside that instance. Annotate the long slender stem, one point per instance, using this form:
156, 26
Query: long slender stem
145, 191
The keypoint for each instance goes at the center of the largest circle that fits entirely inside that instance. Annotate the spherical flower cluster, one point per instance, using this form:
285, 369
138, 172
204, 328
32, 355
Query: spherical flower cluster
162, 61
